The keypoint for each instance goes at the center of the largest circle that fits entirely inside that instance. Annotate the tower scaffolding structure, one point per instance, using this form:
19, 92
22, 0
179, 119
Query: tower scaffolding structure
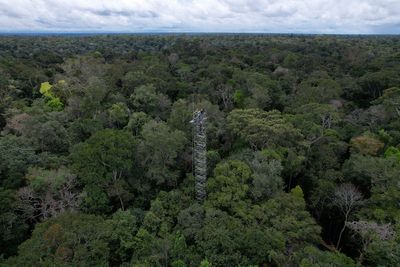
200, 153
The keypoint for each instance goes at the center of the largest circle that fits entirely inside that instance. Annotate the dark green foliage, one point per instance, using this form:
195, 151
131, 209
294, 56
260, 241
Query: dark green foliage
146, 99
370, 171
15, 157
13, 228
104, 165
267, 180
312, 257
318, 88
47, 133
67, 240
136, 122
159, 151
96, 151
103, 155
373, 84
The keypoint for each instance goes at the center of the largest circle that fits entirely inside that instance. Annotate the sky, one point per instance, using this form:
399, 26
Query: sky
258, 16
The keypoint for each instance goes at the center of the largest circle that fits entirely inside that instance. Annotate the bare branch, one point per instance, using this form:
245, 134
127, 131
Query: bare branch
346, 198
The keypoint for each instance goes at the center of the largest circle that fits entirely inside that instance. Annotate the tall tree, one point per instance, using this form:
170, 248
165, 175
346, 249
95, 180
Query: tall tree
159, 151
105, 162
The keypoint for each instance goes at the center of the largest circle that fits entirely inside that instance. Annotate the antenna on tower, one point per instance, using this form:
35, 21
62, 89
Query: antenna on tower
200, 153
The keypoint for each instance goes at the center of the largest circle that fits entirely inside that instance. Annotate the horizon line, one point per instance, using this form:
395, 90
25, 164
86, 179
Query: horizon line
45, 32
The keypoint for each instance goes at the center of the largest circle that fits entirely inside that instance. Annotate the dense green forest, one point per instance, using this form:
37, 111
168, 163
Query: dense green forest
96, 162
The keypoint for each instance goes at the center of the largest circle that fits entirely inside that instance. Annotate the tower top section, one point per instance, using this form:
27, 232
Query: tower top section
199, 116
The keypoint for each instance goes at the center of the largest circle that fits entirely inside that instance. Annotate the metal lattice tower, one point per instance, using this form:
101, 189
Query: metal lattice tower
200, 153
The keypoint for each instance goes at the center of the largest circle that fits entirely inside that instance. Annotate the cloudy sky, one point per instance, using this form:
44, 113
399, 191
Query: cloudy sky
270, 16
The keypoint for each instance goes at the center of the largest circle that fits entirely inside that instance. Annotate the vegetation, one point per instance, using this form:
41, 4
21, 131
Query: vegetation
96, 150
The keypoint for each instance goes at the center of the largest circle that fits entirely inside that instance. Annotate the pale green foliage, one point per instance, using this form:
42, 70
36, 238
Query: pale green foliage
55, 104
229, 186
238, 98
205, 263
298, 192
392, 152
41, 180
136, 122
45, 89
118, 114
52, 101
313, 257
263, 129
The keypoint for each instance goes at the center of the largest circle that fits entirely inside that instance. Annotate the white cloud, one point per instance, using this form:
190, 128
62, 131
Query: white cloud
294, 16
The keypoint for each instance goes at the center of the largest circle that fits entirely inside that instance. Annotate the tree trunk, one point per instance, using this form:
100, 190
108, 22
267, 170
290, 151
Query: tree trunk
341, 232
122, 203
